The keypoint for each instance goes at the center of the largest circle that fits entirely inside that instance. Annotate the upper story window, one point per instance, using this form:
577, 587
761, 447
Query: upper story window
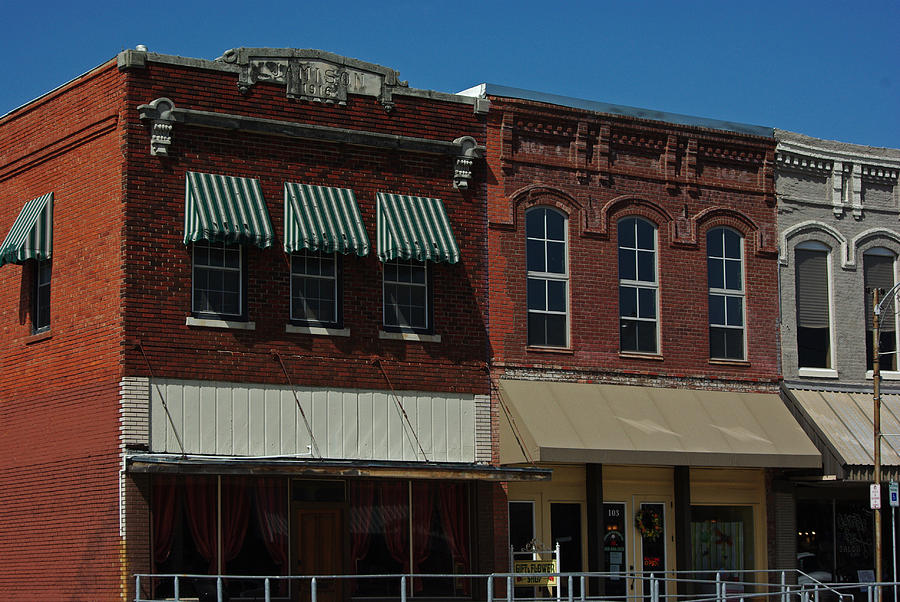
407, 304
548, 277
218, 279
638, 286
41, 316
315, 288
879, 266
724, 260
814, 349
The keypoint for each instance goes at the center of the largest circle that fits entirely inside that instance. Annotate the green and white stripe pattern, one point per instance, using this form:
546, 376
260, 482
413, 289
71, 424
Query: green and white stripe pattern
413, 227
226, 209
323, 219
31, 235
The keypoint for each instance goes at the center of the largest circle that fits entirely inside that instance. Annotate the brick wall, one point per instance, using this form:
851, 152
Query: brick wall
597, 169
58, 393
159, 280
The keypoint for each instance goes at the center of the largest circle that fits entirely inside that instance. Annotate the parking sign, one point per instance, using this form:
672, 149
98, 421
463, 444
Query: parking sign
894, 494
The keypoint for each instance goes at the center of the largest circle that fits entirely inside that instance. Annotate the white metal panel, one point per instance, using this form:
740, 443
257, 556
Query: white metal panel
265, 420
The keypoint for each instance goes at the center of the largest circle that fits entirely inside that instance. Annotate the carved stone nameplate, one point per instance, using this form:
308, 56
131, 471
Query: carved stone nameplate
313, 75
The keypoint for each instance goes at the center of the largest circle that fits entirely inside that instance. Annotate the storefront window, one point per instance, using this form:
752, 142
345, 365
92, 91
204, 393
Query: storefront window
722, 538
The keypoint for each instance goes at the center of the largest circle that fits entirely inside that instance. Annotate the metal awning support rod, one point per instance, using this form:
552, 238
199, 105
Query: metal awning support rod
312, 438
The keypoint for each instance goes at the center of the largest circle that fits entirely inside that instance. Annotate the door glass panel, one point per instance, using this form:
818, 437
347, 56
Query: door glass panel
653, 540
565, 528
614, 552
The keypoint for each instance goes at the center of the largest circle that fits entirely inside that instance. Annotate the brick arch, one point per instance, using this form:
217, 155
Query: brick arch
535, 195
820, 230
632, 205
714, 217
882, 237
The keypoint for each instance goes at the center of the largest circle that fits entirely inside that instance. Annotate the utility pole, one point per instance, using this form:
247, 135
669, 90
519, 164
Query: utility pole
876, 420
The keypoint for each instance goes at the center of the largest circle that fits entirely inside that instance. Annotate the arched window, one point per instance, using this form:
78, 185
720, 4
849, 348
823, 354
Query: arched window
879, 269
811, 261
548, 277
638, 286
725, 271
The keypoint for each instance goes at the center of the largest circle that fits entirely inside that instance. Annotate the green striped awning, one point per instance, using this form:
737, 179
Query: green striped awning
31, 235
226, 209
413, 227
323, 219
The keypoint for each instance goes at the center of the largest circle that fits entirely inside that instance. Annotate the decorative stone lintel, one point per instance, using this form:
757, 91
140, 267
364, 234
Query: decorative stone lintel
469, 151
163, 115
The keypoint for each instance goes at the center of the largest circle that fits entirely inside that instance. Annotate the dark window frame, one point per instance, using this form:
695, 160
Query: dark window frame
243, 287
38, 306
429, 297
338, 321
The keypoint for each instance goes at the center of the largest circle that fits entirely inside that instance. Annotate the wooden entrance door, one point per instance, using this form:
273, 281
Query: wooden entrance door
319, 550
653, 552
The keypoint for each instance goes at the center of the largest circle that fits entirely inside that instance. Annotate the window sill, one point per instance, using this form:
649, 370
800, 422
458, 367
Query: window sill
409, 336
641, 356
211, 323
541, 349
885, 375
817, 373
38, 337
719, 362
317, 330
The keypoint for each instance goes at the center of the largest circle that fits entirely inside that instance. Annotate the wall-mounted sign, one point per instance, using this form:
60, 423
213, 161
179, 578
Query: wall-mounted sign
875, 496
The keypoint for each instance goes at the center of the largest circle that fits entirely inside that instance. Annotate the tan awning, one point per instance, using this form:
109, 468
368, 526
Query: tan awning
617, 424
841, 424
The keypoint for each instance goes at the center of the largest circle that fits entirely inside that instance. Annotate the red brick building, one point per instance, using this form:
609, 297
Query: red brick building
633, 334
262, 345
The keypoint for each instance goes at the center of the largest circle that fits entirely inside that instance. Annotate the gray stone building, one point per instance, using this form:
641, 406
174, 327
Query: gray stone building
839, 230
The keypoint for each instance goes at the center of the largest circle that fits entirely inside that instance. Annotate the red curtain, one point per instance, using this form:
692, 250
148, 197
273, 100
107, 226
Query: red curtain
163, 505
394, 510
271, 506
200, 495
422, 513
453, 503
235, 515
362, 496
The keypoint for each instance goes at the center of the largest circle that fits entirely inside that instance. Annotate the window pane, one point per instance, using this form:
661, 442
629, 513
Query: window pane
417, 296
717, 309
717, 342
714, 243
735, 311
556, 330
215, 301
390, 315
535, 251
645, 235
537, 293
417, 317
217, 256
390, 271
201, 278
734, 344
813, 347
627, 265
200, 301
732, 245
216, 280
716, 273
231, 304
733, 275
403, 273
628, 335
534, 223
232, 281
627, 301
555, 226
626, 232
556, 295
536, 333
390, 294
646, 337
417, 273
646, 266
201, 254
556, 257
646, 303
233, 257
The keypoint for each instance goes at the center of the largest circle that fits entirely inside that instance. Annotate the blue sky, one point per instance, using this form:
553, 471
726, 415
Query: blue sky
826, 69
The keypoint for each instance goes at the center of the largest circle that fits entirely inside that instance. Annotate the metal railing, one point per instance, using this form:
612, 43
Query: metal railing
679, 586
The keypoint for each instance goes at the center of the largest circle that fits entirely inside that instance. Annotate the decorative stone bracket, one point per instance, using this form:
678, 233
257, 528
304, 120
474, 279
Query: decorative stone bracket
163, 115
470, 151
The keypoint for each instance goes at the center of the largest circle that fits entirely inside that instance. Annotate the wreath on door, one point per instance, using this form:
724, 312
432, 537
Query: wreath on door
649, 523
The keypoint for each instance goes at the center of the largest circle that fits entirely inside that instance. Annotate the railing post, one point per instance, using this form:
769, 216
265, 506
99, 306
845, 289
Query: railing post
137, 588
313, 594
219, 589
784, 593
490, 588
177, 591
581, 597
569, 587
509, 588
718, 586
268, 589
869, 592
402, 589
